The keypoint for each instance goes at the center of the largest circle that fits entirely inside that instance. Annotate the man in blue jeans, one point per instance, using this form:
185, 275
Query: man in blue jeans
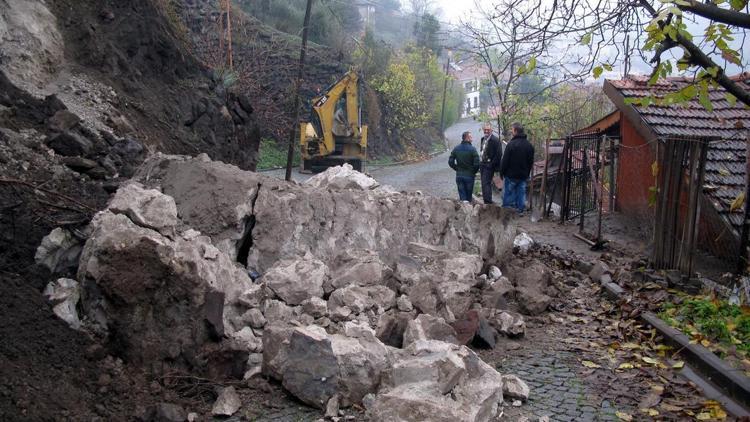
518, 160
464, 160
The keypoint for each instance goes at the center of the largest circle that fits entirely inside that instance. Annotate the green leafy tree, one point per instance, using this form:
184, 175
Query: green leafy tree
426, 30
403, 104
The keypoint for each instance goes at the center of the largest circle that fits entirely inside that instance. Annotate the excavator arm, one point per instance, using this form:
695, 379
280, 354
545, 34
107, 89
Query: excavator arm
336, 130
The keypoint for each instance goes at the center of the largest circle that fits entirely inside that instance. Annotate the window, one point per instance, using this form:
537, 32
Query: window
476, 102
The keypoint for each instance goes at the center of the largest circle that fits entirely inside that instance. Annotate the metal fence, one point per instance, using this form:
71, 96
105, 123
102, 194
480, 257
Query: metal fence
588, 175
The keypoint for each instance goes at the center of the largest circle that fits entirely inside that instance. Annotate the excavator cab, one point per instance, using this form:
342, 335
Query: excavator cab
335, 134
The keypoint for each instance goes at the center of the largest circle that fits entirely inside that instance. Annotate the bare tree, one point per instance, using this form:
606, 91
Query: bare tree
504, 37
655, 31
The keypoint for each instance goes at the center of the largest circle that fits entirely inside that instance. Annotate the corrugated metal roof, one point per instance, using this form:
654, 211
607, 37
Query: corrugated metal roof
725, 169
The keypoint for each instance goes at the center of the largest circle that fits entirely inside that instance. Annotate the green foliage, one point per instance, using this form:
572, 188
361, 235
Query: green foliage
330, 20
273, 155
714, 319
426, 33
402, 101
372, 56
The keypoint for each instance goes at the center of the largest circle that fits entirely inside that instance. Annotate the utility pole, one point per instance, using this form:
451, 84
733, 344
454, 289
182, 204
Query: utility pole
297, 83
445, 88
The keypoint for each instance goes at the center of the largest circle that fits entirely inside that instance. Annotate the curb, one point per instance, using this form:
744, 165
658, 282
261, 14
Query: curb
731, 381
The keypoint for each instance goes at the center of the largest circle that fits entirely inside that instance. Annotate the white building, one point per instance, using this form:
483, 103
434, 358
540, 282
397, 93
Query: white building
469, 75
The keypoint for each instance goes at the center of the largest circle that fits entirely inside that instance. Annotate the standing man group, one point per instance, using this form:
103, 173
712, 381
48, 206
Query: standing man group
516, 166
492, 155
464, 160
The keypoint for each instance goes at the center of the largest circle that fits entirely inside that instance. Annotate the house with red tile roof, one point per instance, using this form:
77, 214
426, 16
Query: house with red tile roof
643, 129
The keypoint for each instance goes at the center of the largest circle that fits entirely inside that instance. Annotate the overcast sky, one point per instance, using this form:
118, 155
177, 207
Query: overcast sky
455, 10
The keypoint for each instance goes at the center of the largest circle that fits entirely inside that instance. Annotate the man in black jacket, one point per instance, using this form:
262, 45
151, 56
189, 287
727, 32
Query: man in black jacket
515, 168
492, 155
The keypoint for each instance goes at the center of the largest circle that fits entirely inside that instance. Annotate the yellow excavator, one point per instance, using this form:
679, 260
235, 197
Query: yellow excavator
335, 134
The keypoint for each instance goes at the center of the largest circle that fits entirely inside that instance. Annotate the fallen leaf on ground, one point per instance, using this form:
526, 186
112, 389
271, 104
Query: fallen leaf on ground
625, 366
624, 416
678, 365
589, 364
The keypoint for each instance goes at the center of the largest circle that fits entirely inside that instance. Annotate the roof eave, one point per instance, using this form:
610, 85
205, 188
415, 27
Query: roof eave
629, 112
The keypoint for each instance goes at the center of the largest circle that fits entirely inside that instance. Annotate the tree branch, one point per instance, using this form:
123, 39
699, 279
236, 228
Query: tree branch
716, 13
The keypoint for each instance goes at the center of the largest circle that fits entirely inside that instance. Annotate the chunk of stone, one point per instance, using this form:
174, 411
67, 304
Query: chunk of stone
532, 302
515, 388
360, 299
70, 144
598, 270
319, 365
248, 340
332, 407
428, 327
341, 313
358, 267
227, 404
62, 121
254, 317
485, 335
358, 330
64, 294
404, 304
168, 412
277, 311
342, 177
153, 288
295, 281
499, 294
79, 164
315, 307
523, 242
508, 324
391, 327
275, 346
466, 327
59, 251
494, 273
146, 207
413, 388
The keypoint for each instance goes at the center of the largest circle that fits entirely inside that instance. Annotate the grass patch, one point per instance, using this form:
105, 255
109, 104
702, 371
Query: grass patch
710, 320
272, 155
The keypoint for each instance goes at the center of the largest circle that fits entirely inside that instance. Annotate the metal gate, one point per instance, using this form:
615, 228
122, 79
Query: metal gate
585, 159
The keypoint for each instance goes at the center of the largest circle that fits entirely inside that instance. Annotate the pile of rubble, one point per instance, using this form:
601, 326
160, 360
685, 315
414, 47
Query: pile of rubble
345, 292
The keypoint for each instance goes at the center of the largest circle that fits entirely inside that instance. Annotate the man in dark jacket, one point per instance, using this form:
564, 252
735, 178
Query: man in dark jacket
492, 155
464, 160
516, 166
